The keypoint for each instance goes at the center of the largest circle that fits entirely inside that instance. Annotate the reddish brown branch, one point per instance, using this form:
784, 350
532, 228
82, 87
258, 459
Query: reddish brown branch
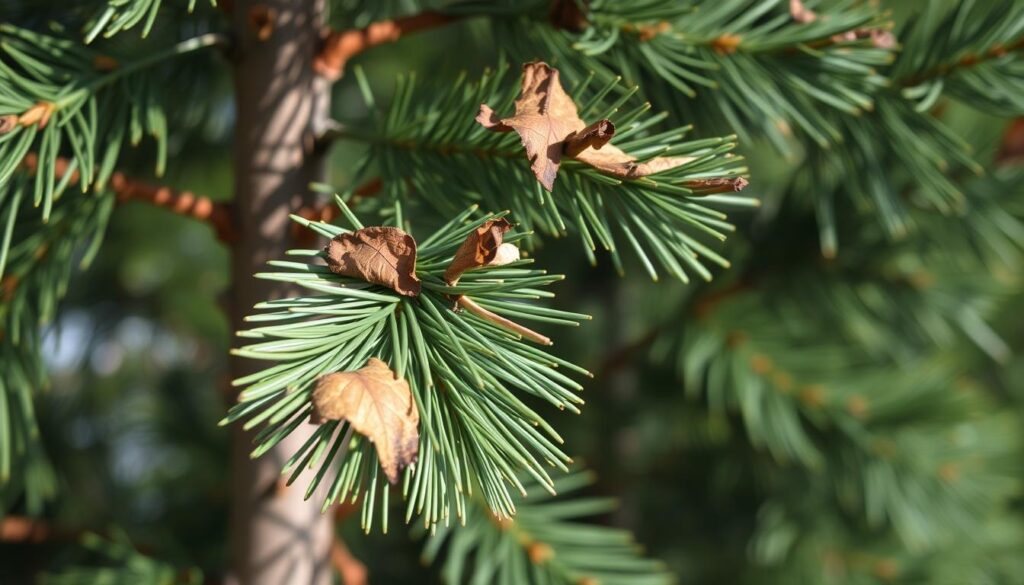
340, 46
181, 202
184, 203
1011, 149
22, 530
351, 569
328, 212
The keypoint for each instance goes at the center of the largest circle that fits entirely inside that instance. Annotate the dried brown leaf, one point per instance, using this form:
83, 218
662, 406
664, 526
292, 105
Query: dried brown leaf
378, 405
549, 125
381, 255
479, 249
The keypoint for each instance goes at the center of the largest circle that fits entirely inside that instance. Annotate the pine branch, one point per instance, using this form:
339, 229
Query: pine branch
465, 374
969, 51
545, 543
725, 52
340, 46
120, 15
700, 307
966, 62
48, 77
430, 142
114, 559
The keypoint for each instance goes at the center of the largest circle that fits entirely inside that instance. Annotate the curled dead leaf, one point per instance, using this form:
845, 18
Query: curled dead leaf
381, 255
549, 126
8, 123
506, 254
480, 248
594, 136
378, 405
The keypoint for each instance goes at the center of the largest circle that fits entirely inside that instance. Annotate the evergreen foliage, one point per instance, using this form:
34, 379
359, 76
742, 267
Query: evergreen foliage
860, 403
476, 432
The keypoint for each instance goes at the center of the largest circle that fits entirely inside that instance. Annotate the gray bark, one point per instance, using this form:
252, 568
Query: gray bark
277, 538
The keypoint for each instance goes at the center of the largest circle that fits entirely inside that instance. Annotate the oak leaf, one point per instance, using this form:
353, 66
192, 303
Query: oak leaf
378, 405
549, 125
480, 248
381, 255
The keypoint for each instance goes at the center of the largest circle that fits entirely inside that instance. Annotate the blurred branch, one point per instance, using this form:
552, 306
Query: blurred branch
181, 202
1011, 149
340, 46
965, 62
702, 306
351, 569
23, 530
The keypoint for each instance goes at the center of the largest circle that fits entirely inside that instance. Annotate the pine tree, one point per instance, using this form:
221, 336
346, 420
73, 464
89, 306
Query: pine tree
801, 369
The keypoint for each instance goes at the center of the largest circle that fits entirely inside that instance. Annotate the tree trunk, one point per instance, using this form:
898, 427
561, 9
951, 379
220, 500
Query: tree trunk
277, 538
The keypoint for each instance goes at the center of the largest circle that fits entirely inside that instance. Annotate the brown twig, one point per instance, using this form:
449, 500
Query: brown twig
328, 212
340, 46
181, 202
184, 203
713, 186
471, 306
351, 569
1011, 148
965, 62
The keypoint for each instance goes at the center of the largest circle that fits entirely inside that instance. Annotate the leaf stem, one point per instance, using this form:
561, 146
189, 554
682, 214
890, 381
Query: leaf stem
471, 306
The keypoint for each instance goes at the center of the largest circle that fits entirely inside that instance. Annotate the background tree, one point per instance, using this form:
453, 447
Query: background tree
830, 396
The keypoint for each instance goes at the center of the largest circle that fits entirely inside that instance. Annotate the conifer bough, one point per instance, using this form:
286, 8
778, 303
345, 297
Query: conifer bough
872, 412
